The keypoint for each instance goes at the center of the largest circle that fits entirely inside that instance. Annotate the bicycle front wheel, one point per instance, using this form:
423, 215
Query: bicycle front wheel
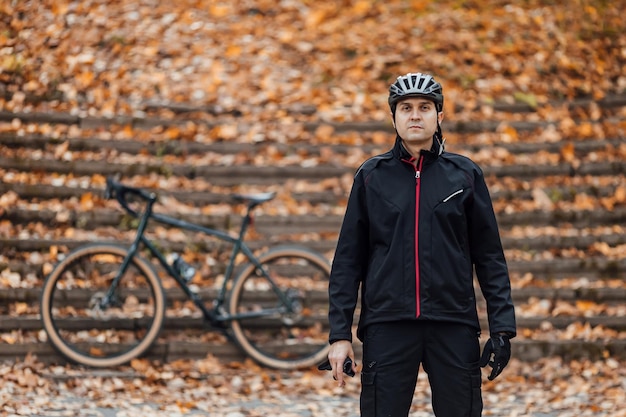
280, 312
97, 315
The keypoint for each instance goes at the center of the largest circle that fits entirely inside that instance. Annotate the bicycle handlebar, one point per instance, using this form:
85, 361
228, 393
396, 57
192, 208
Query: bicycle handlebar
117, 190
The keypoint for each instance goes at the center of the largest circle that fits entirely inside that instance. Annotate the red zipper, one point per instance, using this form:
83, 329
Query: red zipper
418, 172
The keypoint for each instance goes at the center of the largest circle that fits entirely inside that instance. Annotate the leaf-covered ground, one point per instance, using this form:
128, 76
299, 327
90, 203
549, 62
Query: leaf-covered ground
547, 388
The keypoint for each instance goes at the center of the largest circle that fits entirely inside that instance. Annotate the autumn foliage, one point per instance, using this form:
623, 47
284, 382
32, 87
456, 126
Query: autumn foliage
266, 59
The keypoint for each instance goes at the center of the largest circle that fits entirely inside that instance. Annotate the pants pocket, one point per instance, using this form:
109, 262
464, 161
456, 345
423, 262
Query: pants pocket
476, 408
368, 394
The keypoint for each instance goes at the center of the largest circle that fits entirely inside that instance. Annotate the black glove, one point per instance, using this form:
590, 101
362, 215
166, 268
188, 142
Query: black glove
496, 353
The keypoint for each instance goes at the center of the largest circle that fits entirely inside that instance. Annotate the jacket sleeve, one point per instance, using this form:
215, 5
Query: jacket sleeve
349, 264
489, 261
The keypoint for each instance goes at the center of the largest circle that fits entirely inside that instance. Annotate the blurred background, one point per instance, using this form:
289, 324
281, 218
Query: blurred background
199, 99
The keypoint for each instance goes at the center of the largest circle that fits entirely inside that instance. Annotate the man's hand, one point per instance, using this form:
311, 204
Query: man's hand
339, 351
496, 353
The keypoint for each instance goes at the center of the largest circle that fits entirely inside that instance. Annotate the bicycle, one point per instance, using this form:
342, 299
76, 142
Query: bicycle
104, 304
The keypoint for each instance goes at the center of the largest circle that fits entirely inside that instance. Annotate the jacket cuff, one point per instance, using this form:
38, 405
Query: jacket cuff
509, 334
337, 338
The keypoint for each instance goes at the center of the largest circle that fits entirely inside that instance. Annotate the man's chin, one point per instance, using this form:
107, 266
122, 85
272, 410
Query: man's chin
423, 143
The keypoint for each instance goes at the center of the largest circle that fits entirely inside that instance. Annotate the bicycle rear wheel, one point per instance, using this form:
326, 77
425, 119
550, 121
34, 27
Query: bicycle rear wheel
91, 324
281, 321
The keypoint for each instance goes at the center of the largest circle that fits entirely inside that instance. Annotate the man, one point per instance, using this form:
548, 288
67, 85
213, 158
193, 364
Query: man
418, 222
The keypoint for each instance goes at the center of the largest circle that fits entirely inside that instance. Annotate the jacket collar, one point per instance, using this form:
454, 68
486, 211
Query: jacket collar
436, 149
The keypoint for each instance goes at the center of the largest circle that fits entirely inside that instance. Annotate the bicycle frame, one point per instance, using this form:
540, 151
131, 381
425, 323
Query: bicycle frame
215, 315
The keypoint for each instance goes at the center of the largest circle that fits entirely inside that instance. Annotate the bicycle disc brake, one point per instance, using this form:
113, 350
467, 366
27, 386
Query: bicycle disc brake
295, 306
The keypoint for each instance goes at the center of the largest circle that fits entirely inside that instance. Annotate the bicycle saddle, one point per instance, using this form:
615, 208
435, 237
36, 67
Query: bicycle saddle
254, 198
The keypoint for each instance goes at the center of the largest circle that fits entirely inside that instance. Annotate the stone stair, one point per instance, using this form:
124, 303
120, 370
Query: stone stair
559, 204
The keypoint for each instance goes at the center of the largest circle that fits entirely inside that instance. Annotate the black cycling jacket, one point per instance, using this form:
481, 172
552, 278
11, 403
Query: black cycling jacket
418, 273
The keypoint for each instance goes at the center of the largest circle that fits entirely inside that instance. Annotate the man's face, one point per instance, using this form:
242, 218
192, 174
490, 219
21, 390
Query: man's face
416, 122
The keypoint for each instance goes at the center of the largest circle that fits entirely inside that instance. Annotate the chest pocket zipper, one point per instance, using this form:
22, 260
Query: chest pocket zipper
445, 200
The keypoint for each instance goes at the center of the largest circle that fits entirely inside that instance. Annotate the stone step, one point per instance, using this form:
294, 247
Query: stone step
524, 245
8, 323
167, 352
272, 224
592, 267
150, 123
601, 295
43, 192
328, 224
185, 112
276, 175
182, 147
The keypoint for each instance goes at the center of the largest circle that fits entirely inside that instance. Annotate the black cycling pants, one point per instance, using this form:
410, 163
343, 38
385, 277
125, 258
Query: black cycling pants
392, 354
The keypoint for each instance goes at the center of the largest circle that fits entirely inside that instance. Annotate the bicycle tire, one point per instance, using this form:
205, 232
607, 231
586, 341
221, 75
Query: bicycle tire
283, 341
82, 331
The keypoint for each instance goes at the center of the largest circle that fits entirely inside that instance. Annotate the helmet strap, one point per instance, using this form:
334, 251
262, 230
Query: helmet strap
438, 136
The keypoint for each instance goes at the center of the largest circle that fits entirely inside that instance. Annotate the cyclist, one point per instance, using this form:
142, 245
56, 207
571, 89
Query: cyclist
418, 222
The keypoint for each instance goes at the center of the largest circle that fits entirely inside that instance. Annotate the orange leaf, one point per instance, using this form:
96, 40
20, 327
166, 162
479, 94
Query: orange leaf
85, 78
585, 130
568, 152
172, 132
361, 7
585, 305
219, 10
86, 201
314, 18
21, 308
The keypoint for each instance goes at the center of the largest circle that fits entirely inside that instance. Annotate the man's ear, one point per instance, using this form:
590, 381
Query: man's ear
393, 119
440, 116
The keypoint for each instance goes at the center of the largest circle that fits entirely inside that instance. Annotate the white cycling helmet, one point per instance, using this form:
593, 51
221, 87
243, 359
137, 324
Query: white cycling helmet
415, 85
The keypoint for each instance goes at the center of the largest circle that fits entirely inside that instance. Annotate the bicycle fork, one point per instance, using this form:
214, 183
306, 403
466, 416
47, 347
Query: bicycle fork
110, 297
